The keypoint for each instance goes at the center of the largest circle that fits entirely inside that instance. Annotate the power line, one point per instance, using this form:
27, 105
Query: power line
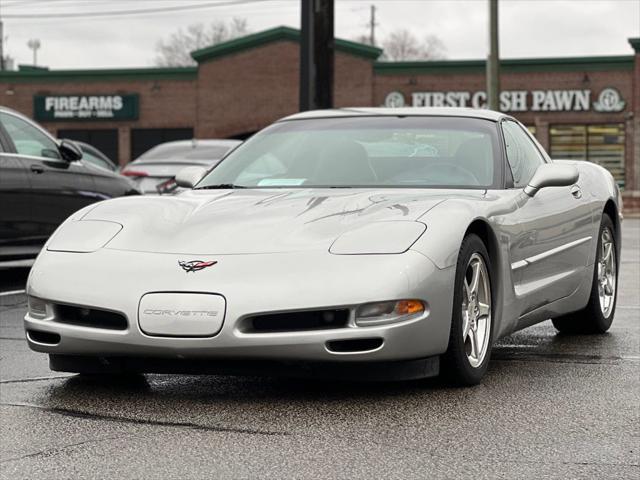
64, 3
32, 6
47, 15
39, 3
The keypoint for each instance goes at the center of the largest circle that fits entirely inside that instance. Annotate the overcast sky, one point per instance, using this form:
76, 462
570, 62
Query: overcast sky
529, 28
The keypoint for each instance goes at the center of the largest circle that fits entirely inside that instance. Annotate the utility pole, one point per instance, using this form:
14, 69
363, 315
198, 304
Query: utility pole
2, 65
493, 62
372, 26
316, 54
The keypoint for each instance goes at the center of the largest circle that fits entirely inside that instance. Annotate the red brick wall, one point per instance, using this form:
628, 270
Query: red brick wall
163, 104
353, 84
246, 91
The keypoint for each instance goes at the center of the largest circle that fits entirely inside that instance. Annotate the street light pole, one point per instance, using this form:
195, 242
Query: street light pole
316, 54
34, 44
493, 62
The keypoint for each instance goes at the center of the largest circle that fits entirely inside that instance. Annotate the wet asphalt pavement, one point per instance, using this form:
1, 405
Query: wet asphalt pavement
551, 406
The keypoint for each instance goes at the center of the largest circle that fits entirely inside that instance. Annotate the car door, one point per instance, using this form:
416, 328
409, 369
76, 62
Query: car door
16, 229
58, 187
549, 256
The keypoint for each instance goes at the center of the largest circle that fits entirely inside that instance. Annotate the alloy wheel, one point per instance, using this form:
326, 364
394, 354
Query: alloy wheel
476, 310
607, 272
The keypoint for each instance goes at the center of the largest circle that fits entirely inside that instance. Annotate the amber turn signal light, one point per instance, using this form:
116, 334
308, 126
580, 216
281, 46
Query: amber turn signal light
409, 307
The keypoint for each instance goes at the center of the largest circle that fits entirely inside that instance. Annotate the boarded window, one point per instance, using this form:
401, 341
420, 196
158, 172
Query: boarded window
105, 140
601, 144
143, 139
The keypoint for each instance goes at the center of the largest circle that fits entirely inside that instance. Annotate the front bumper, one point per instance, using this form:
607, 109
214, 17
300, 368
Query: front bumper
116, 280
353, 371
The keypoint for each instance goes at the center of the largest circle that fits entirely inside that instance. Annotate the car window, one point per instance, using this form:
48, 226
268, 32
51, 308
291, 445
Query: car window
366, 152
88, 156
28, 139
522, 155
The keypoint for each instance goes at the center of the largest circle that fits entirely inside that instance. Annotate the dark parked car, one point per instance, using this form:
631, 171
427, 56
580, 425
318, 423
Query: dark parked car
42, 182
154, 170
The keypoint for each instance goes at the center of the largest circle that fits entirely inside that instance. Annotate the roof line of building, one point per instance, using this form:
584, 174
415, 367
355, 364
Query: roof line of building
598, 63
278, 34
41, 74
616, 62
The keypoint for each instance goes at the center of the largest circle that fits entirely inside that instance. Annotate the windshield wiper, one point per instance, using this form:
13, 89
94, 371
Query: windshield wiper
222, 186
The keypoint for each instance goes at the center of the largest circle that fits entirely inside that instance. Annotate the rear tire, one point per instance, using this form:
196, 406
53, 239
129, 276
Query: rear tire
471, 337
597, 316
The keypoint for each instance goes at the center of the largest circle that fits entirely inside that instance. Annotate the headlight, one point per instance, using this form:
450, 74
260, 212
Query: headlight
380, 313
83, 236
37, 308
389, 237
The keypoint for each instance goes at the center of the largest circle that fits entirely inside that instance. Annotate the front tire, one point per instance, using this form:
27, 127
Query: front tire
471, 335
597, 316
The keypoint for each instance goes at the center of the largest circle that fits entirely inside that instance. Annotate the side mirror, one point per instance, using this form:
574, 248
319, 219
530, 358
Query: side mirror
552, 175
70, 151
188, 177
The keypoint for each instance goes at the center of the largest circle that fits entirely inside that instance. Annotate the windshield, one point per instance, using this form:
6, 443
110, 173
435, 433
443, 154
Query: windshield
365, 152
185, 152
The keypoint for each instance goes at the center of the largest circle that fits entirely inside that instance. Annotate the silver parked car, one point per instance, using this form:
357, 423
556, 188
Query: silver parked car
374, 243
154, 170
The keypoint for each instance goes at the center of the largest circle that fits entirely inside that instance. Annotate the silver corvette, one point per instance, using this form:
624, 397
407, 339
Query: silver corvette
375, 243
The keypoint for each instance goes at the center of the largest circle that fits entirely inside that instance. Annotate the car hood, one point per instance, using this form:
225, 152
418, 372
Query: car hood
257, 221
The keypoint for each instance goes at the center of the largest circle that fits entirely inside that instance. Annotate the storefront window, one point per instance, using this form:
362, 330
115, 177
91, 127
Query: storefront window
601, 144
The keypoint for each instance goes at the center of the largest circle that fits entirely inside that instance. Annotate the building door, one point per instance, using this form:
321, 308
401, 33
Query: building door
143, 139
105, 140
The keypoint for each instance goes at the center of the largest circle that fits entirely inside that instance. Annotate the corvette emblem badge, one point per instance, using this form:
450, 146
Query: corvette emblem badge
195, 265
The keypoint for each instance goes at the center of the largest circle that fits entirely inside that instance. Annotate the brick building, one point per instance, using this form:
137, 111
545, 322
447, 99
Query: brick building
577, 107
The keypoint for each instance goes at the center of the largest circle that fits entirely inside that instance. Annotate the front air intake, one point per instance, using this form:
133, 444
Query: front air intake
297, 321
355, 345
90, 317
47, 338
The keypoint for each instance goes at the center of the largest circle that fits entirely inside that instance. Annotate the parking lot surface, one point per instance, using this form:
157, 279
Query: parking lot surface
551, 406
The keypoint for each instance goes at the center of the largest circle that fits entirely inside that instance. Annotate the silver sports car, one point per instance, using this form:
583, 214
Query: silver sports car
366, 242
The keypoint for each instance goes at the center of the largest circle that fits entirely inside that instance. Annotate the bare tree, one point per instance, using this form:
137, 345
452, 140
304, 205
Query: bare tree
364, 39
403, 45
176, 50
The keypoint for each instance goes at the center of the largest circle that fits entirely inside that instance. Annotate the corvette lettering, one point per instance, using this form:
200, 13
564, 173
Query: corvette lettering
182, 313
195, 265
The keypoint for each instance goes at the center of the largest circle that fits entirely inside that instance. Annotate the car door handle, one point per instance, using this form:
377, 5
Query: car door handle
576, 191
37, 169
